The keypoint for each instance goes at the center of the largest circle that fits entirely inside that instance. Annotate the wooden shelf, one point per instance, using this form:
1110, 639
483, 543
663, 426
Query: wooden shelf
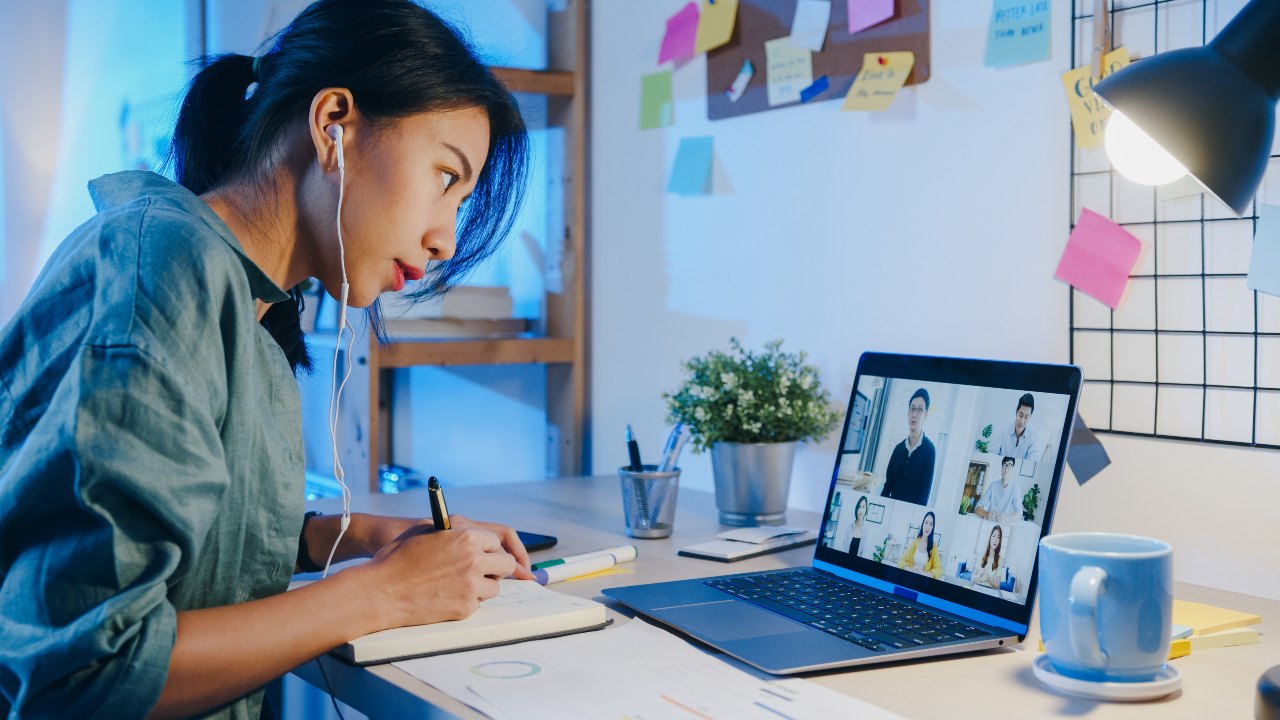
503, 351
538, 82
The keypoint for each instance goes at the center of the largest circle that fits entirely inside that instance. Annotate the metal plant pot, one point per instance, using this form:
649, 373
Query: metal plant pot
752, 481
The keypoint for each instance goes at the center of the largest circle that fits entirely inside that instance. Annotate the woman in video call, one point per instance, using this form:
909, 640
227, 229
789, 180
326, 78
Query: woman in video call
923, 557
859, 512
990, 572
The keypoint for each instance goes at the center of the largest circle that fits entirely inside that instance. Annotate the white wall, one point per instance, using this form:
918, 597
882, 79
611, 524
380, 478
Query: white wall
934, 227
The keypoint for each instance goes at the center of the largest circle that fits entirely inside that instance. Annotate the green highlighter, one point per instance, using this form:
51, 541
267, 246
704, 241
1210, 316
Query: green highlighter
625, 553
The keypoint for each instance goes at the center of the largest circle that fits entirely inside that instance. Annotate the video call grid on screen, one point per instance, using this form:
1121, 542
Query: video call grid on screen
981, 472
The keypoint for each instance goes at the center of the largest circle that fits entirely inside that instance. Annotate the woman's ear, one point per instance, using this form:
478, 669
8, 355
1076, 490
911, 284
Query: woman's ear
331, 106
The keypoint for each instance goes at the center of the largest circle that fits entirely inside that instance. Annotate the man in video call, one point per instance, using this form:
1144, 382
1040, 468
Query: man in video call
1001, 502
909, 476
1020, 442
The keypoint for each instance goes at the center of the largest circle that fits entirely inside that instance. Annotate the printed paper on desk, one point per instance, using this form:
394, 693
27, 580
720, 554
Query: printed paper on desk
716, 25
809, 26
636, 670
790, 70
1019, 33
682, 31
877, 84
655, 100
1088, 113
691, 171
865, 13
1099, 257
1264, 262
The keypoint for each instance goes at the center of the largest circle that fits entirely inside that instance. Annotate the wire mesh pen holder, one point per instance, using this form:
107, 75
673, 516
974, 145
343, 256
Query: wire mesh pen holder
649, 500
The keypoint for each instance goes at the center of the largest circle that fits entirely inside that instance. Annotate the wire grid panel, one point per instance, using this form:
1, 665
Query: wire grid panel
1191, 353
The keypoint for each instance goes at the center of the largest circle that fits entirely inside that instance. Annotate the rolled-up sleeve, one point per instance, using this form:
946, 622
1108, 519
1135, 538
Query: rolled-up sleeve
86, 629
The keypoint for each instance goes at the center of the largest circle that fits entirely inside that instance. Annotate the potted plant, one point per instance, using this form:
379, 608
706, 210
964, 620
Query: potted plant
752, 410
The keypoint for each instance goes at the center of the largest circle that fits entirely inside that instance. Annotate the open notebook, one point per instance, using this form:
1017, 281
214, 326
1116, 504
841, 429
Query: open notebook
523, 610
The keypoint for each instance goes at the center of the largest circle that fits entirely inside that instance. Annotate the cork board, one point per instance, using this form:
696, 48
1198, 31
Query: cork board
840, 59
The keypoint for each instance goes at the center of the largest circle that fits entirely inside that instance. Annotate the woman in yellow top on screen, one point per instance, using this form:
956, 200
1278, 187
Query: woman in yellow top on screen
923, 557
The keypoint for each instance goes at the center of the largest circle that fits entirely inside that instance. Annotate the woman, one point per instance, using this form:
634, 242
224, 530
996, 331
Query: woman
151, 477
923, 557
859, 512
990, 572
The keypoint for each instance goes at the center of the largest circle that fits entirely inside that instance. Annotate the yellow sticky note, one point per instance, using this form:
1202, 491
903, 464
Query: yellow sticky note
877, 84
1088, 113
715, 24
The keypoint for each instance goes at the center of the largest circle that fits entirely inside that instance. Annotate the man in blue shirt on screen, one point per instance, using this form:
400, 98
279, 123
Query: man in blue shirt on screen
1021, 441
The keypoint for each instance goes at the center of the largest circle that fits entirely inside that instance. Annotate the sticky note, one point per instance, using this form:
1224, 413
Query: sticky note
716, 25
691, 171
1085, 454
809, 26
1264, 262
818, 87
739, 85
655, 100
682, 30
879, 80
865, 13
1099, 257
1019, 32
790, 70
1088, 113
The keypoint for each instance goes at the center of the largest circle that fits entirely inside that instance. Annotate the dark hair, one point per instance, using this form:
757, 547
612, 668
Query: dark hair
1009, 460
861, 501
398, 60
923, 394
1027, 400
928, 540
999, 547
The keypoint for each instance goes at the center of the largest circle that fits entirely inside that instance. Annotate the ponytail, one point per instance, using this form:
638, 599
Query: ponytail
210, 121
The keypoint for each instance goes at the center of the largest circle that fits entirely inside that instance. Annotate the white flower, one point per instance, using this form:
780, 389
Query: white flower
699, 414
806, 381
729, 379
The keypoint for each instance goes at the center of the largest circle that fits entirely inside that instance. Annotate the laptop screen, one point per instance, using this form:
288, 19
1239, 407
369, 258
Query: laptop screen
946, 476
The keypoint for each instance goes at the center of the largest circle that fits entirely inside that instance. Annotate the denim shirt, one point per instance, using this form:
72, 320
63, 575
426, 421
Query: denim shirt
150, 453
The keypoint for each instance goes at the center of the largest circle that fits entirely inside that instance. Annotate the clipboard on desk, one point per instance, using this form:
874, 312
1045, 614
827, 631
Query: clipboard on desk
734, 545
840, 59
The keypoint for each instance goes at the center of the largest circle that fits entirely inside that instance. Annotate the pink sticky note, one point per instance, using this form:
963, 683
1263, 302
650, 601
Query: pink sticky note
682, 32
865, 13
1099, 257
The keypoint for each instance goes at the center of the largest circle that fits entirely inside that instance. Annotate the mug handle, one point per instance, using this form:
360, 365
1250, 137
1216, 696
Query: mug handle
1088, 583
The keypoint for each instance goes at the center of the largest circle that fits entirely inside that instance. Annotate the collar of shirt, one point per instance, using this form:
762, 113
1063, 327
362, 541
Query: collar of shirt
122, 188
907, 443
1027, 438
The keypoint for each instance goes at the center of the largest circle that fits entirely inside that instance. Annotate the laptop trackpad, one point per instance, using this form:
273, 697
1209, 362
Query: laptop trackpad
727, 621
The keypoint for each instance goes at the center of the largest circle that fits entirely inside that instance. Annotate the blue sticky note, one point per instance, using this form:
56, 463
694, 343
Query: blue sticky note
1019, 32
1264, 261
691, 171
814, 90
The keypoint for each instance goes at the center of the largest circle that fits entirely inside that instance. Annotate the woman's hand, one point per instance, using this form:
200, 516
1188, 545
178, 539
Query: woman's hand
371, 533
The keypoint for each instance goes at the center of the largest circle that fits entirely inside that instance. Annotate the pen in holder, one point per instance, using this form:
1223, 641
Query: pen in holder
649, 500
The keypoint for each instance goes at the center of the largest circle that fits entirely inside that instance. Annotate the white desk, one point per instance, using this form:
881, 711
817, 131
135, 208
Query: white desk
586, 514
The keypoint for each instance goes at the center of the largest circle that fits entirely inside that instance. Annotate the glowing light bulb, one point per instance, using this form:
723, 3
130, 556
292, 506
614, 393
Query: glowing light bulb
1137, 156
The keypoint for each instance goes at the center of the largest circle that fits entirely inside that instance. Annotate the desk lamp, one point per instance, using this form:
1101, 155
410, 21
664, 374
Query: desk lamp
1208, 111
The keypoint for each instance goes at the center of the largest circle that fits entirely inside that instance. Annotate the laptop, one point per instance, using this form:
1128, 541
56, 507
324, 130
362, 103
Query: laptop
944, 482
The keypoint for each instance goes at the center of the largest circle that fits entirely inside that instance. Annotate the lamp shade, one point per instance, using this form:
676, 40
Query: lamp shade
1213, 107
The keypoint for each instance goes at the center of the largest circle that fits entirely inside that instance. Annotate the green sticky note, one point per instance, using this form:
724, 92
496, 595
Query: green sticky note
691, 171
655, 100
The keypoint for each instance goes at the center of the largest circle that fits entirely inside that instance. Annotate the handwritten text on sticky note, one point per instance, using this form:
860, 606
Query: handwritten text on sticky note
1088, 113
790, 70
882, 75
1019, 32
1099, 257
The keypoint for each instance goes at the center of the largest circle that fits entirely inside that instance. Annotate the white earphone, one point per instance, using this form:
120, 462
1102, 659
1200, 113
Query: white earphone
335, 389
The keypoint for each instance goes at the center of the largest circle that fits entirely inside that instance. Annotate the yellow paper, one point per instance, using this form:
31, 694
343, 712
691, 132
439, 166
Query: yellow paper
1088, 113
877, 84
789, 70
715, 24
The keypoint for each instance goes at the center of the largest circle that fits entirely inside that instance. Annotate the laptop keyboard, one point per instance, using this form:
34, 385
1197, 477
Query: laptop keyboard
874, 621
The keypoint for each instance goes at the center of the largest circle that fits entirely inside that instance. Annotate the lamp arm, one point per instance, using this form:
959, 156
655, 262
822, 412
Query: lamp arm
1252, 41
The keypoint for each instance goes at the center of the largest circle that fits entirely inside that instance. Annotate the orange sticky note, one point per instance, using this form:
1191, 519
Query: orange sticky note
1099, 257
877, 84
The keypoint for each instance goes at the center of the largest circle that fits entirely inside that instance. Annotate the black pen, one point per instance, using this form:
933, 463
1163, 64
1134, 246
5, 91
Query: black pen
439, 515
633, 449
